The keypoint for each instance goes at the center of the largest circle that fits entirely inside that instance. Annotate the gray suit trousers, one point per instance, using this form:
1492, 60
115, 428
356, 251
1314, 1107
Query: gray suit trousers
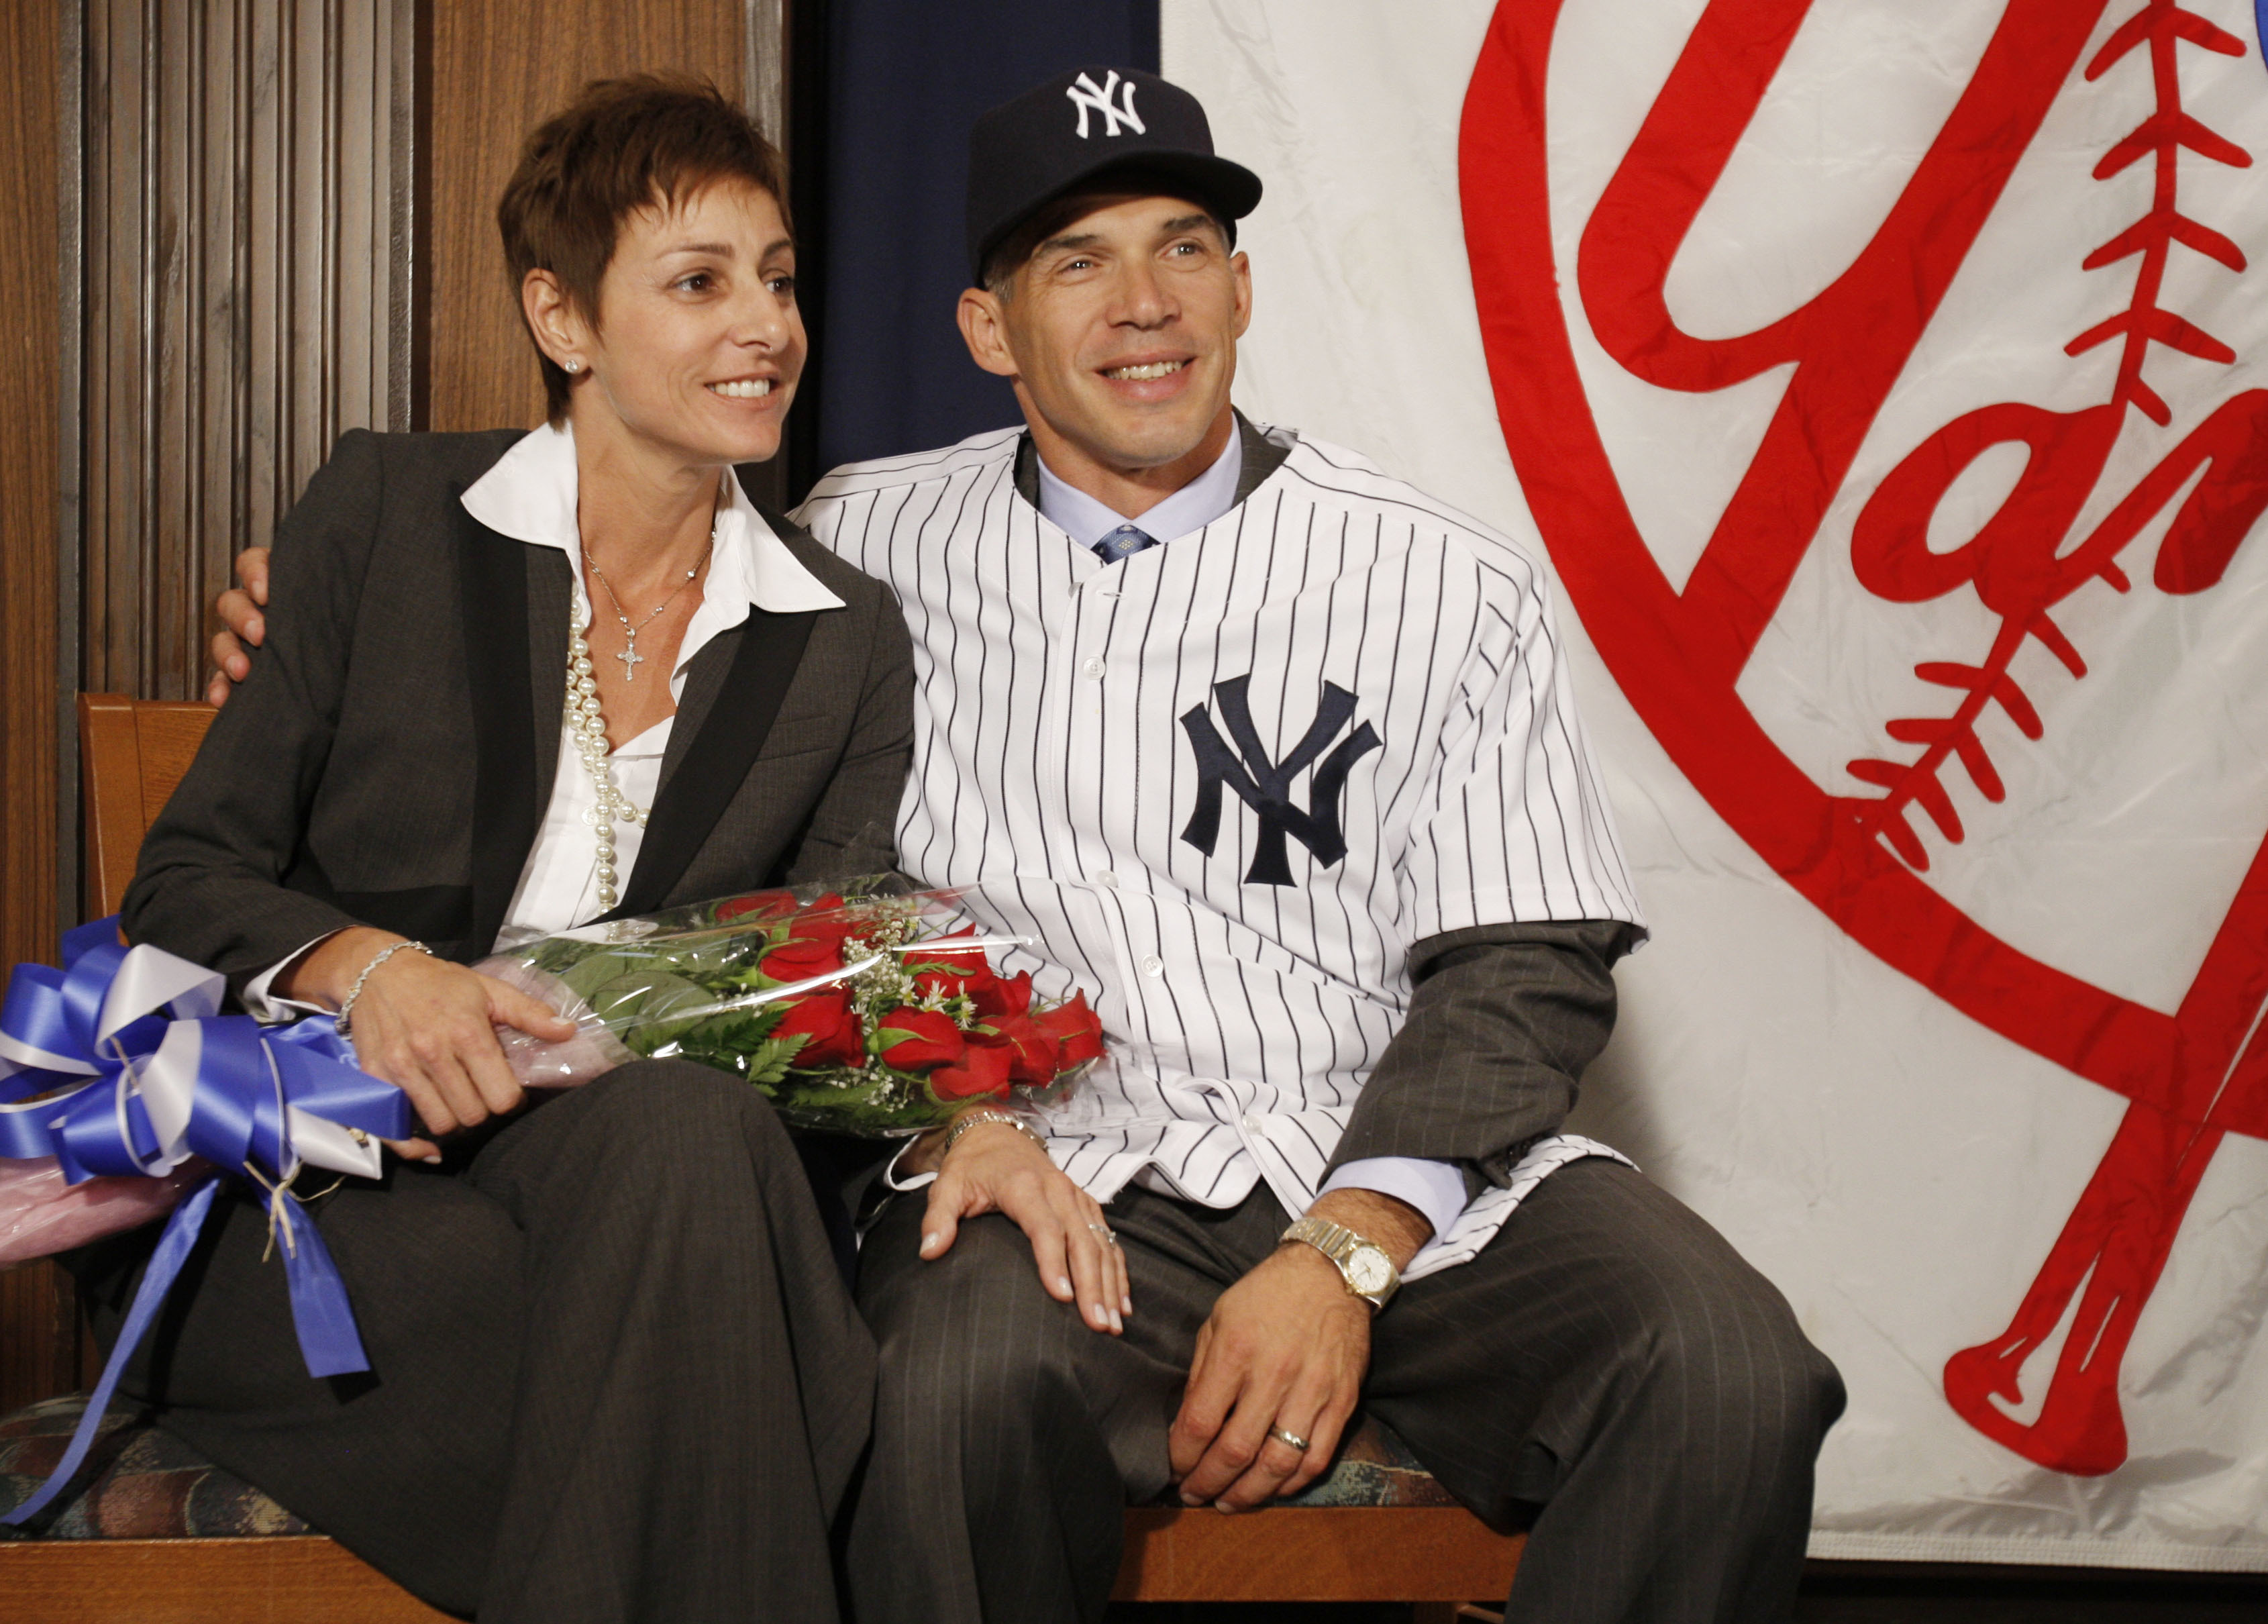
615, 1374
1608, 1371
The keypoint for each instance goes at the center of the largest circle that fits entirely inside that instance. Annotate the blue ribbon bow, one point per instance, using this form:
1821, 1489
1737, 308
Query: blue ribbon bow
155, 1076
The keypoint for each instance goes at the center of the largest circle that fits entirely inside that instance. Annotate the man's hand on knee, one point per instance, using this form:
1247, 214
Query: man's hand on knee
245, 628
994, 1167
1284, 1353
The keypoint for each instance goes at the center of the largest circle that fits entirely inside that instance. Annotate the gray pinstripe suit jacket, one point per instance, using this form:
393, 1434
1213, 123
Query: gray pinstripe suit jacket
389, 759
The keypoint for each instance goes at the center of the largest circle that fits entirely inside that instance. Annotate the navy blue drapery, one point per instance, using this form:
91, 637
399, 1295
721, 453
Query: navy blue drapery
888, 106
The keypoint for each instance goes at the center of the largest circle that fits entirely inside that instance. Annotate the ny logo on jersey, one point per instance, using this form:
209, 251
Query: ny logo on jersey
1084, 93
1266, 786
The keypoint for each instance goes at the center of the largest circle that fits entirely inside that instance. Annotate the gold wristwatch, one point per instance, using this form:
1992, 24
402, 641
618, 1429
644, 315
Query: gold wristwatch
1363, 1264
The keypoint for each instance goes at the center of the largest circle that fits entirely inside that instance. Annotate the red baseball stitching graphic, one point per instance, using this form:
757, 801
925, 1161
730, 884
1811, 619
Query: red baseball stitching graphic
2192, 1077
2013, 563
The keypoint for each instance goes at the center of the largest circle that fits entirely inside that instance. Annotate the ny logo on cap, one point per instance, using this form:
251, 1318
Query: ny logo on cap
1084, 94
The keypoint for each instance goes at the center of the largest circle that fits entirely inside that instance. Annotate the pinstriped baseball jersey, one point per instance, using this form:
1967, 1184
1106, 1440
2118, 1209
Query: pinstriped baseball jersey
1225, 783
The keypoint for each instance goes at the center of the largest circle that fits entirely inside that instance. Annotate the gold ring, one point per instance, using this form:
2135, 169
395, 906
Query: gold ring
1290, 1438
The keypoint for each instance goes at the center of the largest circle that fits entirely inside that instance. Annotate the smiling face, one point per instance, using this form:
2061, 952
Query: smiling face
1120, 332
698, 342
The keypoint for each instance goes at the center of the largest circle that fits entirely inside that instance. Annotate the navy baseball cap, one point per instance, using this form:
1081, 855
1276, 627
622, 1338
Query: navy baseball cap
1082, 127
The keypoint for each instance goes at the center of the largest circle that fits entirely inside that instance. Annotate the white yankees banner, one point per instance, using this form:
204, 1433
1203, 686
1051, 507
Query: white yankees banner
1886, 384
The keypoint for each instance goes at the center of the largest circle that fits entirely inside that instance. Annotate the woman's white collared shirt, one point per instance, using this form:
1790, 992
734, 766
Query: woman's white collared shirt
530, 495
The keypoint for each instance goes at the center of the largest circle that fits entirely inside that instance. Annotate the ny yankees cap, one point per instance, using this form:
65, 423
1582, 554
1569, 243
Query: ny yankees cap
1082, 126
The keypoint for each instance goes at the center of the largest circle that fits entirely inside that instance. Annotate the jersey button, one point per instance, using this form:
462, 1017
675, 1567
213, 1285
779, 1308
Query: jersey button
1153, 965
1093, 668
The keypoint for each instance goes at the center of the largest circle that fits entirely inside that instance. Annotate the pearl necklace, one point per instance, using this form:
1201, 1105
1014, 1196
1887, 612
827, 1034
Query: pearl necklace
589, 724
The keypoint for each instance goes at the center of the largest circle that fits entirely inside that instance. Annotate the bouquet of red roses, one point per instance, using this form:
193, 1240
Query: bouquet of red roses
866, 1013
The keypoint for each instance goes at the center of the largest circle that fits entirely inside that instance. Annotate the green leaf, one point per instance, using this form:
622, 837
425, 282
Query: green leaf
738, 1034
868, 1110
594, 970
768, 1065
641, 1008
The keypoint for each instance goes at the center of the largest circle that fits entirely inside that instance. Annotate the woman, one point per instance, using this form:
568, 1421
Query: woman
516, 683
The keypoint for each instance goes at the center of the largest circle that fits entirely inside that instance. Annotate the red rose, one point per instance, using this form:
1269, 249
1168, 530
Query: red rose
981, 1072
830, 1027
800, 960
1033, 1057
1012, 997
915, 1039
1077, 1034
967, 965
814, 946
765, 905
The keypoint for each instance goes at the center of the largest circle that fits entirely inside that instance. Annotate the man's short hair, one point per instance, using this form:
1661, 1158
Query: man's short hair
646, 141
1050, 218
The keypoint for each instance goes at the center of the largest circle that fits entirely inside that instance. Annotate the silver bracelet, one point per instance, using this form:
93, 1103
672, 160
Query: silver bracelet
969, 1119
346, 1005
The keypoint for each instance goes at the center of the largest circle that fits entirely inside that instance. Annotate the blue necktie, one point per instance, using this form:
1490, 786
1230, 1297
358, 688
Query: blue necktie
1123, 542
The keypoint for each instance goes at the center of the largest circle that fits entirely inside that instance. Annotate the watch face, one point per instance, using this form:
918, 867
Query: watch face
1369, 1270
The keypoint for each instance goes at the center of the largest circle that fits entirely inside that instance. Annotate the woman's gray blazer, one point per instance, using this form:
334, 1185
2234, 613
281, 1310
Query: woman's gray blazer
388, 760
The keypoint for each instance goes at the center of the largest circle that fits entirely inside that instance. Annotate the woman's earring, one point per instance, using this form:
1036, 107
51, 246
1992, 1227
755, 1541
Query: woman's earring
571, 365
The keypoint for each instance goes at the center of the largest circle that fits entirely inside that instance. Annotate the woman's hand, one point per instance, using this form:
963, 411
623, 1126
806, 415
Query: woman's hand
427, 1026
994, 1167
245, 628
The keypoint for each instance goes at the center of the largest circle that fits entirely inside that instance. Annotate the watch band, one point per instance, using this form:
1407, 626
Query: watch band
1362, 1263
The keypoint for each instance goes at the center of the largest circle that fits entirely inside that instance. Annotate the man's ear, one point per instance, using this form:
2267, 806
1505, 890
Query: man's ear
560, 332
985, 329
1240, 268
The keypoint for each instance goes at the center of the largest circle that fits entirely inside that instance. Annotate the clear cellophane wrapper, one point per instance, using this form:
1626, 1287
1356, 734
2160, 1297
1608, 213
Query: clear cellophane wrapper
41, 1214
863, 1009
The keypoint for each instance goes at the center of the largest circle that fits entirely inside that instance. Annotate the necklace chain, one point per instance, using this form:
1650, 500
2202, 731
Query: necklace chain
586, 720
630, 658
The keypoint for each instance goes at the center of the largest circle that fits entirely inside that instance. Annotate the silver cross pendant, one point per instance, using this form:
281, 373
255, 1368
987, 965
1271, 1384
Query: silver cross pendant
631, 659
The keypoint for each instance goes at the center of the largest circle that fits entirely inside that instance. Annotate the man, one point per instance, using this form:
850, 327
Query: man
1276, 758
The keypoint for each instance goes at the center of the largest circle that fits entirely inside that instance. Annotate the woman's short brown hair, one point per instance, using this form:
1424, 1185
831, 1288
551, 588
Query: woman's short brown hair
623, 144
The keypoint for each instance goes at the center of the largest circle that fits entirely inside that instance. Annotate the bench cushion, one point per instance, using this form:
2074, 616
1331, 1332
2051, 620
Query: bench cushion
1374, 1468
138, 1482
142, 1483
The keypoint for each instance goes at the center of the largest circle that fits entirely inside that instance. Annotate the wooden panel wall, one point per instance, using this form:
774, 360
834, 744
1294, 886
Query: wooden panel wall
36, 1344
247, 184
30, 349
497, 67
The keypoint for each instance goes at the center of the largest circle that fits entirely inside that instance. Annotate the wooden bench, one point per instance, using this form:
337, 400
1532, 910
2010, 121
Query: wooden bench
1376, 1529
